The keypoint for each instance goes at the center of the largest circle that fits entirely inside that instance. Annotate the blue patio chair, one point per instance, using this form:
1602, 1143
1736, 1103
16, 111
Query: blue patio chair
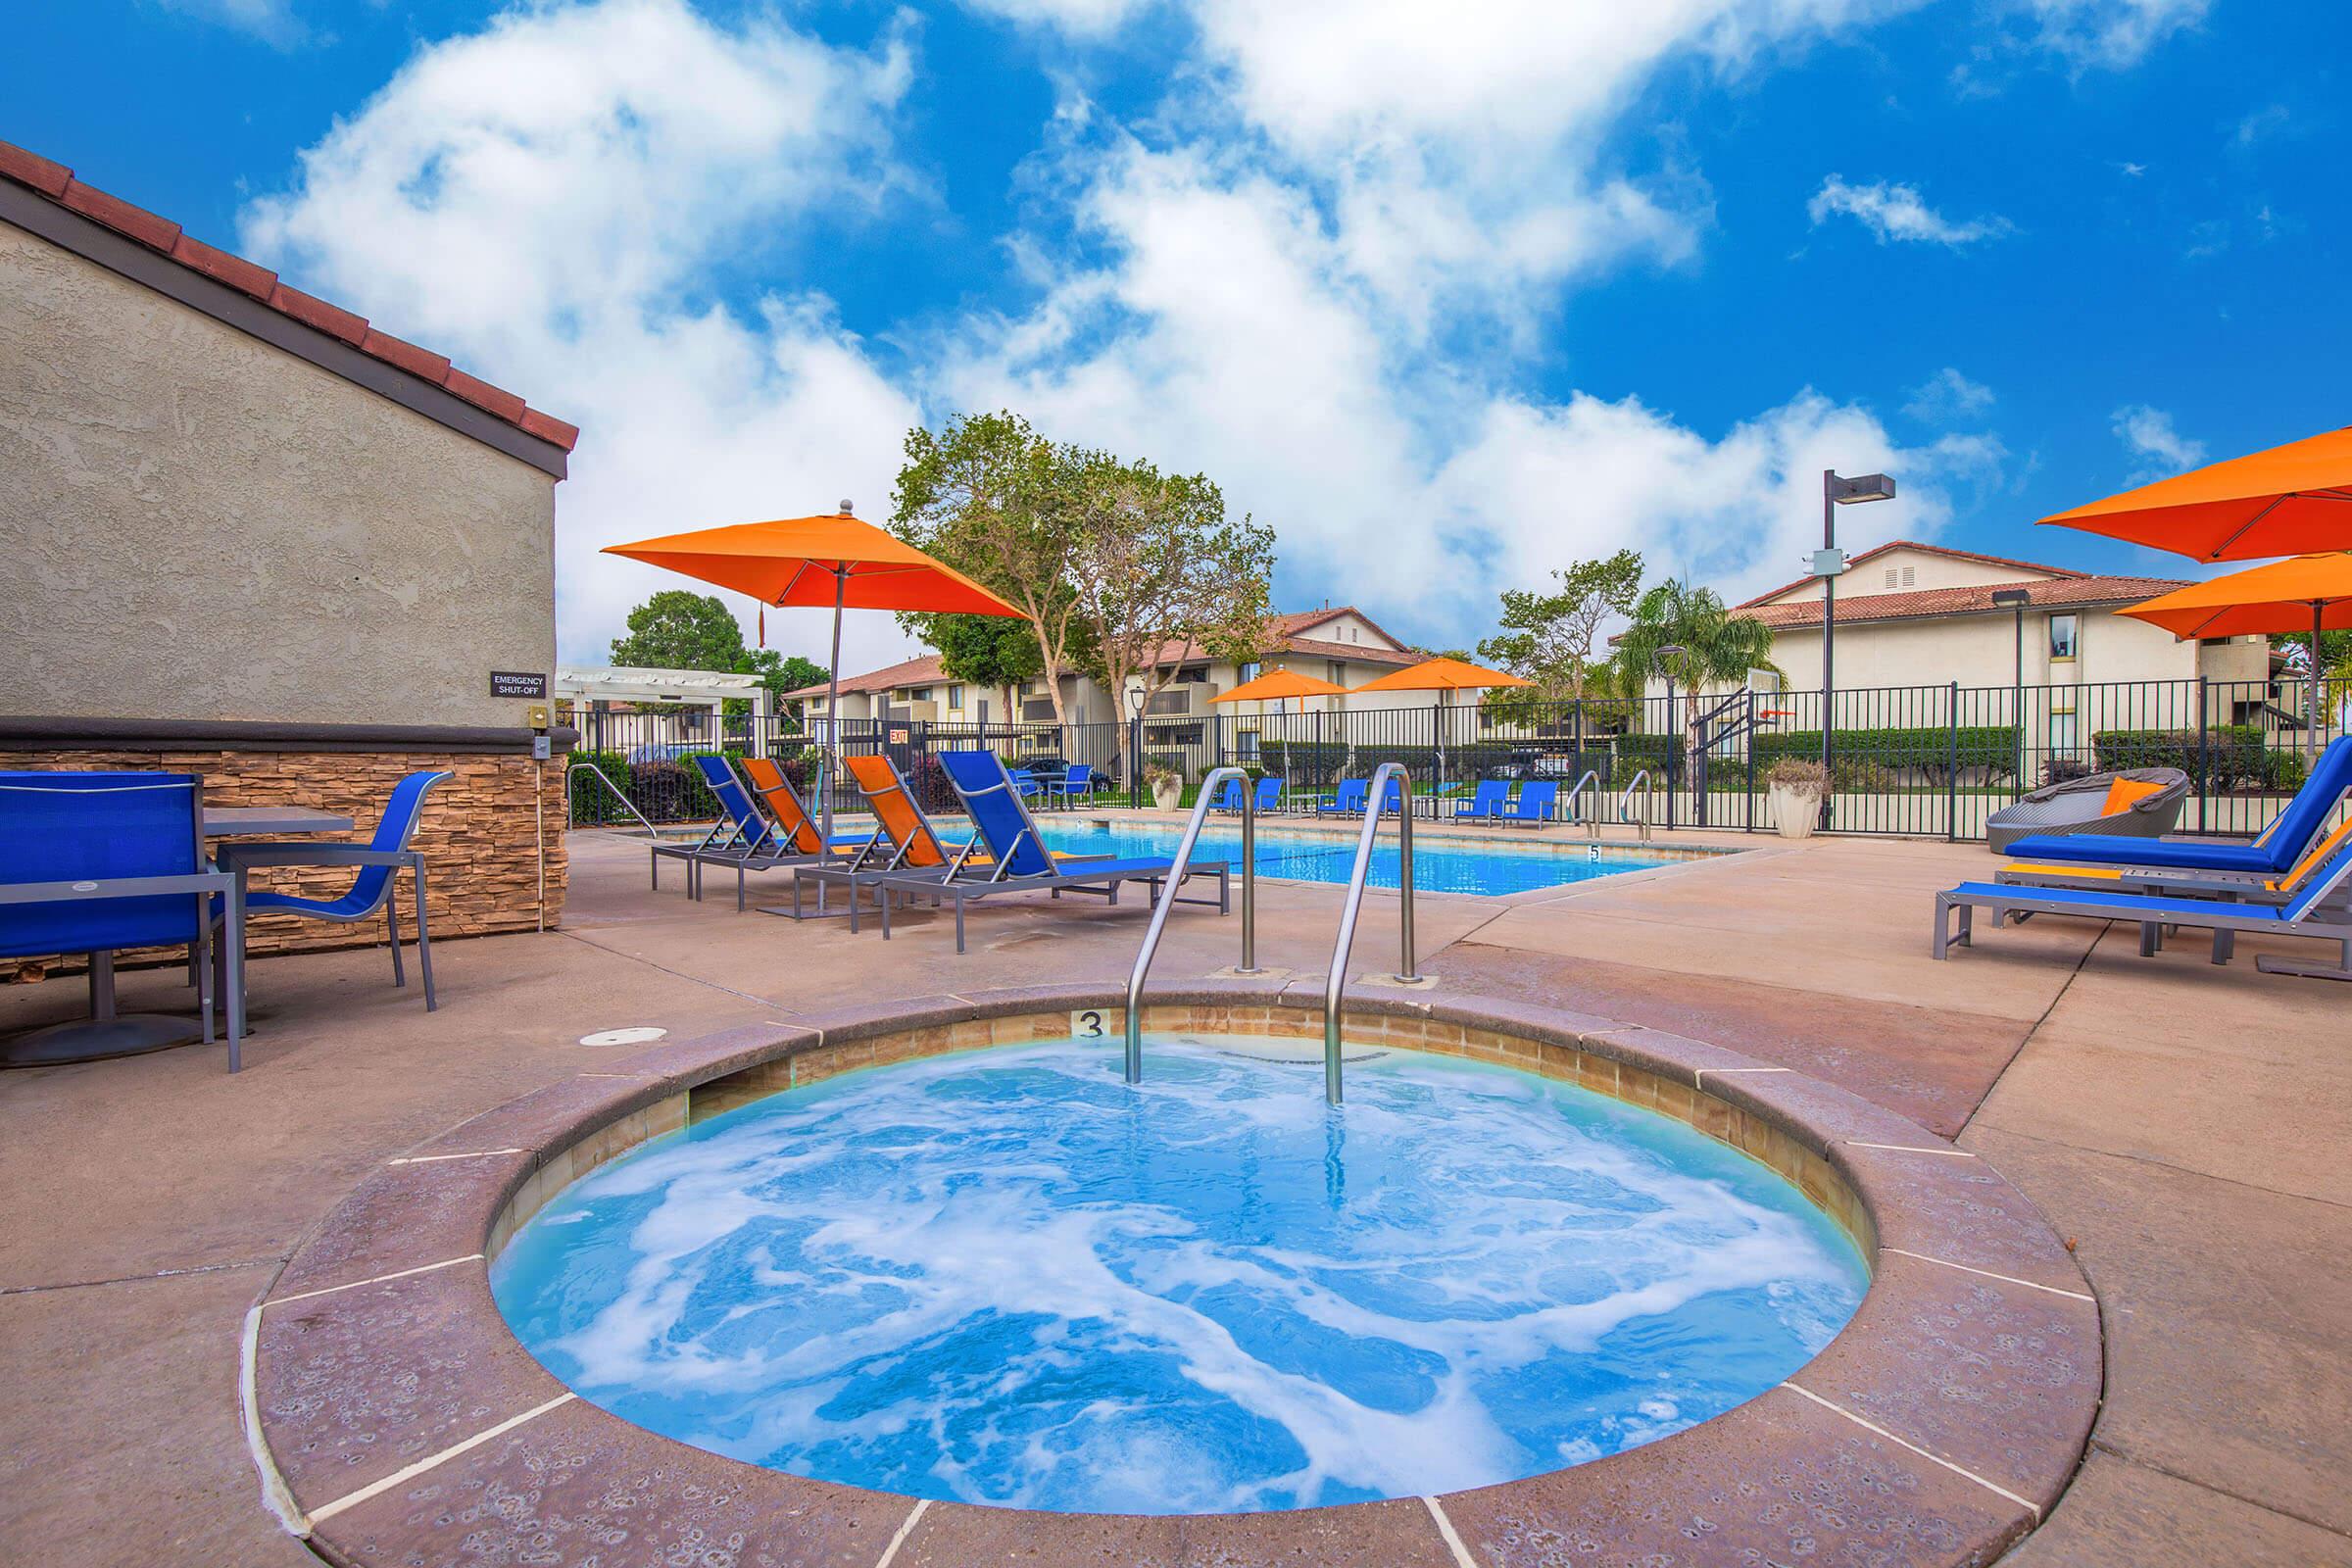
1533, 808
1228, 797
379, 861
94, 863
1350, 802
1486, 801
1076, 782
1269, 796
739, 832
1024, 783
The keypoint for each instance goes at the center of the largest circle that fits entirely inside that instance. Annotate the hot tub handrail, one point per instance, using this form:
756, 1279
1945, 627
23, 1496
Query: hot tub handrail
1167, 899
629, 805
1375, 800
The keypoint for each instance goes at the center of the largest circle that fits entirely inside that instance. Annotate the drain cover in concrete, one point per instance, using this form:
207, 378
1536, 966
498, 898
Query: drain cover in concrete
645, 1035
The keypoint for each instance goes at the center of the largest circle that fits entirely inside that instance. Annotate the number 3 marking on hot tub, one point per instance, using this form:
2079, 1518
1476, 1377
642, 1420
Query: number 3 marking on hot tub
1087, 1025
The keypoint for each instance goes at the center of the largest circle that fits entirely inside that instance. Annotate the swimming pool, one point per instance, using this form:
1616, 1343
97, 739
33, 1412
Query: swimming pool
1440, 865
1005, 1277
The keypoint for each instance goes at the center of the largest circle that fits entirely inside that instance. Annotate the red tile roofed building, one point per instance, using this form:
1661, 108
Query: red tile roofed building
1913, 614
258, 537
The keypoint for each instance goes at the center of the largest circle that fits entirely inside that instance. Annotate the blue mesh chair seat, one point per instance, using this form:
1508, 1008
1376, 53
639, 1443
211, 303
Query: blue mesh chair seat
93, 863
2290, 839
1488, 800
379, 863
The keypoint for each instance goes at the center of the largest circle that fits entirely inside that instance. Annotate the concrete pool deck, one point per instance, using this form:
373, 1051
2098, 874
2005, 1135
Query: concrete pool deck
2182, 1124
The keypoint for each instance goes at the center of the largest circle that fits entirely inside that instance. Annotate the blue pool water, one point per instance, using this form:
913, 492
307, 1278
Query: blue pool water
1005, 1277
1438, 866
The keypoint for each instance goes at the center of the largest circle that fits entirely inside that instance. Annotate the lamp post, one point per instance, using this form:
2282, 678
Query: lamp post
2017, 599
1828, 565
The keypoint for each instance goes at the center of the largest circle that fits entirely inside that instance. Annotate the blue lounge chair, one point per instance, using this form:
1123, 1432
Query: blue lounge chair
740, 829
1489, 798
751, 841
378, 861
1264, 796
1533, 808
1228, 797
1024, 783
1018, 859
2290, 839
1269, 796
94, 863
2300, 916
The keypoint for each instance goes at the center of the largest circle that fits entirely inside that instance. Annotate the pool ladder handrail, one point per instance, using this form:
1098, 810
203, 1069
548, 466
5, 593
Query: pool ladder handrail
1625, 803
1182, 861
630, 805
1575, 796
1376, 802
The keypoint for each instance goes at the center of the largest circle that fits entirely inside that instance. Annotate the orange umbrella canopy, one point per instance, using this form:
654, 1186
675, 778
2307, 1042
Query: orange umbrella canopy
822, 563
1440, 676
2290, 499
2280, 597
1280, 685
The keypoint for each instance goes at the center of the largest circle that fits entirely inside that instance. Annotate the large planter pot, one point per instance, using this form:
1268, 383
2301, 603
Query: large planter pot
1795, 811
1166, 796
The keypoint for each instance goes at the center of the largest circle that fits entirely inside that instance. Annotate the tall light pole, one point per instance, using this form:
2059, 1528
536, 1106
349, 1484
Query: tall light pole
1674, 733
2017, 599
1828, 565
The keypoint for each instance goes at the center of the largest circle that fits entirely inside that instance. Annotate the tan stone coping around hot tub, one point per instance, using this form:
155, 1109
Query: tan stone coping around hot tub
396, 1419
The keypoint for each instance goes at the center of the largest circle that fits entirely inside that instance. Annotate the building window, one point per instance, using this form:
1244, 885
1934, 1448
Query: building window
1250, 671
1245, 745
920, 694
2062, 734
954, 699
2064, 632
1335, 670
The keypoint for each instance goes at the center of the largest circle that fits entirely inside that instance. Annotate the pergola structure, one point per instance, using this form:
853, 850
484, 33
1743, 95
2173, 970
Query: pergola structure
580, 685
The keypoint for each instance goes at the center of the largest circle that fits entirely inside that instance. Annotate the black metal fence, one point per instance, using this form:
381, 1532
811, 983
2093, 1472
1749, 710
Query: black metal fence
1920, 761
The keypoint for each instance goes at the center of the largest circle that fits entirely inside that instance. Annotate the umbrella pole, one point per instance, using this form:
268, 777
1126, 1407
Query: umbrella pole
825, 840
2317, 613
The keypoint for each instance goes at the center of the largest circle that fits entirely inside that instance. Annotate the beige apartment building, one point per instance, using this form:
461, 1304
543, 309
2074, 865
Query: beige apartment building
1340, 644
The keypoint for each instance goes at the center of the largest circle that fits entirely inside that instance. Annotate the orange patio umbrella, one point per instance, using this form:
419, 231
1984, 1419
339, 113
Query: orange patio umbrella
1439, 675
2307, 591
2290, 499
833, 560
1280, 685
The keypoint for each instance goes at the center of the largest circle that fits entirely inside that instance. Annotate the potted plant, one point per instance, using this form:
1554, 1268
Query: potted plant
1795, 787
1165, 784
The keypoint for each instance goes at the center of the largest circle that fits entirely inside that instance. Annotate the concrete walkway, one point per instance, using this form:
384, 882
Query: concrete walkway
2183, 1123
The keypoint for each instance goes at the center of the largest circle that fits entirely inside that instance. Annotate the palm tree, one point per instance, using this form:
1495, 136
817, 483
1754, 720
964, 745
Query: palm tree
1714, 646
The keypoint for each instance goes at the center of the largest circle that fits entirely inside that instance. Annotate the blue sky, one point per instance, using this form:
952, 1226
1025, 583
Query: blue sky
1449, 296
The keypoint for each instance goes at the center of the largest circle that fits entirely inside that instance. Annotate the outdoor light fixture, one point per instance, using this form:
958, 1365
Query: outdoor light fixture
2017, 599
1827, 566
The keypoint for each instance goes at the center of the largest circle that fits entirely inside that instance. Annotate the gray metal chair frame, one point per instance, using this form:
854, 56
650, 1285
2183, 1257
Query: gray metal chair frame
241, 858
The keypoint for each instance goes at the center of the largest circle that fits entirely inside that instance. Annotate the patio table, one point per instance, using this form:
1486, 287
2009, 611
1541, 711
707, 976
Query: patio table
107, 1033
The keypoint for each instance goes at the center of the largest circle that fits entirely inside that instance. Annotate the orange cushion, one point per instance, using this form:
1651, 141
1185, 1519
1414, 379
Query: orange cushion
2123, 792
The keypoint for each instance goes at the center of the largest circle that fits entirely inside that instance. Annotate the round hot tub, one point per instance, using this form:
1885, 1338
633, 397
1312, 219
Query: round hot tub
1008, 1277
930, 1284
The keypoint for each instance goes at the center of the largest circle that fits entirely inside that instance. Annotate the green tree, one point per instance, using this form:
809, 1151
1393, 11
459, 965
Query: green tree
680, 629
996, 500
1715, 646
1547, 638
991, 652
779, 673
1158, 565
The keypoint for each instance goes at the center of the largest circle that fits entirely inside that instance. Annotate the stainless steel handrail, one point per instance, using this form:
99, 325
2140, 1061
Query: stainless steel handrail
1575, 796
1167, 899
629, 804
1625, 803
1374, 801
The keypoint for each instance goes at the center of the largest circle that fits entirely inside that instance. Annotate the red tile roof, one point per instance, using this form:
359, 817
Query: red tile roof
2073, 589
163, 236
1931, 550
1285, 630
928, 671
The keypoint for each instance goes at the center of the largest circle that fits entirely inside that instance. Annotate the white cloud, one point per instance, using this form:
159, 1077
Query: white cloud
1079, 18
1947, 397
2149, 434
1275, 291
1893, 212
540, 201
2111, 34
2260, 123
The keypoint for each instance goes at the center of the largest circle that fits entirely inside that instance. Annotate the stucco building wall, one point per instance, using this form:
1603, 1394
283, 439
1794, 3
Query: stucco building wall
202, 526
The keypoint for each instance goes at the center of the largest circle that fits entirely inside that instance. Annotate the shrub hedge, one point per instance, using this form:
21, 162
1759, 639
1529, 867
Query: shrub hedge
2234, 753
